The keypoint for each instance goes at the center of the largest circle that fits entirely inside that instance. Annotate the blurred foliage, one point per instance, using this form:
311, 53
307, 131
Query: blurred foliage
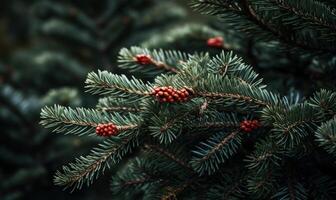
47, 47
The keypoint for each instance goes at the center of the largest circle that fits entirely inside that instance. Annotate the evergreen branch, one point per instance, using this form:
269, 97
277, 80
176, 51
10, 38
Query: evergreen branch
220, 145
116, 85
159, 60
232, 96
171, 120
86, 169
180, 37
293, 191
215, 125
228, 64
325, 103
265, 156
309, 10
244, 15
295, 124
173, 192
166, 130
216, 150
323, 187
69, 121
214, 121
110, 104
231, 185
82, 121
120, 109
254, 17
326, 136
235, 86
169, 156
135, 182
138, 174
262, 185
214, 7
233, 90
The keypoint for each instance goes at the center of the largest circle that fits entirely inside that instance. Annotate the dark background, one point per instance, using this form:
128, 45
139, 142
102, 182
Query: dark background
46, 50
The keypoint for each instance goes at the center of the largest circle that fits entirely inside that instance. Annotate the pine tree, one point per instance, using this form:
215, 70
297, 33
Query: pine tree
207, 126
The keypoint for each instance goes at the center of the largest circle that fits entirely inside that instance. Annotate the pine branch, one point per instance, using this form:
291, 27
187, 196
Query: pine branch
117, 85
325, 103
228, 64
263, 185
123, 105
310, 10
181, 37
293, 191
230, 185
233, 90
137, 175
173, 192
82, 121
214, 7
216, 150
165, 129
86, 169
245, 15
212, 120
206, 80
69, 121
295, 124
159, 60
326, 136
169, 155
265, 156
255, 18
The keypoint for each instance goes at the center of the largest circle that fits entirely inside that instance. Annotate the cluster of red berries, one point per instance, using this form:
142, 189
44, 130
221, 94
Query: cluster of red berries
249, 125
106, 130
170, 94
143, 59
215, 42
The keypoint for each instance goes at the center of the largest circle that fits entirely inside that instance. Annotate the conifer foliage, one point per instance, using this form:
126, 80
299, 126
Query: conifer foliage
207, 126
230, 122
46, 45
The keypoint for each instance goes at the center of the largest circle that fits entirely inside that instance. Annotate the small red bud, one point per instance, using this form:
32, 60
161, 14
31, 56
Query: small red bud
249, 125
106, 130
143, 59
215, 42
170, 94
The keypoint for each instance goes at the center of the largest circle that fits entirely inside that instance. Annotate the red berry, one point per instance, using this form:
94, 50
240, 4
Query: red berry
215, 42
170, 94
249, 125
106, 130
143, 59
